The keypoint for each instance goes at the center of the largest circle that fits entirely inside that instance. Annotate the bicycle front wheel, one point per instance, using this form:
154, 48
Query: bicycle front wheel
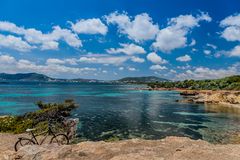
60, 139
23, 142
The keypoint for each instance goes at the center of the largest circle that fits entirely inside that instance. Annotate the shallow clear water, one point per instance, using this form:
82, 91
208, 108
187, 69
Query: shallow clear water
116, 111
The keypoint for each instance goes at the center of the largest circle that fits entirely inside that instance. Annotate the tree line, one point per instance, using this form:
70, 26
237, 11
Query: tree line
227, 83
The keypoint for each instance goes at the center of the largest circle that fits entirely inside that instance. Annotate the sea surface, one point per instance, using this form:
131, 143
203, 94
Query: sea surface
117, 111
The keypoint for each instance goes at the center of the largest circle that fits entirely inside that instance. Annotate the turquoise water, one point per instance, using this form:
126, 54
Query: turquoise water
108, 110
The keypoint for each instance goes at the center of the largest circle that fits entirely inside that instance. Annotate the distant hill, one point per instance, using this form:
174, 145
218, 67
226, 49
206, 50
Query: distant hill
24, 77
38, 78
147, 79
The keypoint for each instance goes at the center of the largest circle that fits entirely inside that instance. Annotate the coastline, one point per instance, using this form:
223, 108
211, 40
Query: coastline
230, 98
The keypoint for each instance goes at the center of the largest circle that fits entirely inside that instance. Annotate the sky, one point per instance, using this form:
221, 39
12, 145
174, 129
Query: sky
110, 39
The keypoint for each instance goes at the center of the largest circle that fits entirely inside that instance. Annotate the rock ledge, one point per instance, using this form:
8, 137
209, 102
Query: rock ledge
170, 148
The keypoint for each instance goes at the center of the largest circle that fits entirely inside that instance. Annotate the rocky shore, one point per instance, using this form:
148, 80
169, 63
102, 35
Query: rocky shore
230, 98
223, 97
170, 148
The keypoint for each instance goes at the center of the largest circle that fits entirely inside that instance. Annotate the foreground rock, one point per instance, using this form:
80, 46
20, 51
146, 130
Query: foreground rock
170, 148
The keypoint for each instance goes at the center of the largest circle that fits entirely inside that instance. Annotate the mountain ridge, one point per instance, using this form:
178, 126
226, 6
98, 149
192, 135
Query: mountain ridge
44, 78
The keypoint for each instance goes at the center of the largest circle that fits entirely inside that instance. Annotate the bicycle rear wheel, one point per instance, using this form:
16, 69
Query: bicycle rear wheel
23, 142
60, 139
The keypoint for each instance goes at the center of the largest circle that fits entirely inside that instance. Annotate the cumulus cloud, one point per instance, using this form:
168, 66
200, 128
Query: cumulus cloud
6, 59
184, 58
103, 59
235, 52
175, 34
15, 43
128, 49
48, 41
90, 26
157, 67
154, 58
140, 28
11, 65
231, 25
208, 73
137, 59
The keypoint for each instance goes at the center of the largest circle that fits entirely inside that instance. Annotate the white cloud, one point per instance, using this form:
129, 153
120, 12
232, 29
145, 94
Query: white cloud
184, 67
207, 52
71, 61
90, 26
54, 61
184, 58
141, 28
233, 20
132, 69
104, 71
103, 59
194, 49
208, 73
48, 41
235, 52
175, 34
212, 46
6, 59
154, 58
10, 65
15, 43
169, 39
173, 71
137, 59
128, 49
193, 43
157, 67
231, 33
121, 68
232, 28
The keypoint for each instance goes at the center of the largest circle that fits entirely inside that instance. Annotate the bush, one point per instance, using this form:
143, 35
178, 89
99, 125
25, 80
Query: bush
39, 119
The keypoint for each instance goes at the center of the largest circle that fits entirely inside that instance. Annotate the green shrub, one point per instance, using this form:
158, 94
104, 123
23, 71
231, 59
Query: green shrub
39, 119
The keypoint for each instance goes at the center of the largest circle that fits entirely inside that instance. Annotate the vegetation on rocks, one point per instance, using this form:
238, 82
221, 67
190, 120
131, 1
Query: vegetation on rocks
228, 83
54, 112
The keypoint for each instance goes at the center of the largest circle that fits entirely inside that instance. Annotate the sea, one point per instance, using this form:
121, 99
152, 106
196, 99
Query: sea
120, 111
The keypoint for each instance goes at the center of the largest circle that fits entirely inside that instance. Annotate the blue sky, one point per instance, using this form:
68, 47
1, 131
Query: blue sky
104, 39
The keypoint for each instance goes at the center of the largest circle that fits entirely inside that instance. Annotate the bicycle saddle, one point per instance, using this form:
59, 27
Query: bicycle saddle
29, 130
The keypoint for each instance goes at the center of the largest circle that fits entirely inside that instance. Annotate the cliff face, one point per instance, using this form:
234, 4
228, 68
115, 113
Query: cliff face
170, 148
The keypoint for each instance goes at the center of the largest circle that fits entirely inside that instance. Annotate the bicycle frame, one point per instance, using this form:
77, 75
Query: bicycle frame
45, 134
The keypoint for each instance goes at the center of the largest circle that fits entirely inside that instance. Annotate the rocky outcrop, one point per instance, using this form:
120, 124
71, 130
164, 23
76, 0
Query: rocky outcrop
170, 148
212, 97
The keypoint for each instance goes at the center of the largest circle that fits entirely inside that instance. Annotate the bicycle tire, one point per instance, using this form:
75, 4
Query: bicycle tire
63, 139
22, 143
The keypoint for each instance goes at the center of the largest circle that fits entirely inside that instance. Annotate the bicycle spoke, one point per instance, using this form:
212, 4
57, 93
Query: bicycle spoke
60, 139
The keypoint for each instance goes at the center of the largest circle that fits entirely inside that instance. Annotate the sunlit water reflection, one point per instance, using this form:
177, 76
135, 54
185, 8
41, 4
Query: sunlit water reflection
116, 111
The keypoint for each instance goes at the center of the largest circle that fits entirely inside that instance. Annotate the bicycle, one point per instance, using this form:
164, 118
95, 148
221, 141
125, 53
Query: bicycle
60, 139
